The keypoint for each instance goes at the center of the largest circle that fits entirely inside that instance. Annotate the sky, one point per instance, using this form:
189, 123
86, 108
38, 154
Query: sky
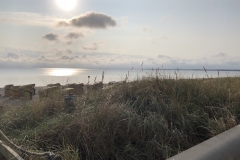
170, 34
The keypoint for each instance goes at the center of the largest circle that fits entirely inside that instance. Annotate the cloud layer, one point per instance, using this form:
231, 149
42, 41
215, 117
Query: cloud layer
68, 58
89, 20
31, 19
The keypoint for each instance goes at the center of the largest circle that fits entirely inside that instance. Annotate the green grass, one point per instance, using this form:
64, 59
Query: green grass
149, 118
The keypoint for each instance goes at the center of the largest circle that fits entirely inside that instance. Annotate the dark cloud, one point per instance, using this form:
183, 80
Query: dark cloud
94, 46
89, 20
73, 35
50, 37
221, 55
12, 55
68, 38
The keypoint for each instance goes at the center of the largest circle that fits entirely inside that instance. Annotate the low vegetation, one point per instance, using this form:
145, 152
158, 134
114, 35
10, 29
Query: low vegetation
148, 118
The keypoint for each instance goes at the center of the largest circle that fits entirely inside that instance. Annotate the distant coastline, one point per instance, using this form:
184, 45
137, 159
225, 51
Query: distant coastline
194, 69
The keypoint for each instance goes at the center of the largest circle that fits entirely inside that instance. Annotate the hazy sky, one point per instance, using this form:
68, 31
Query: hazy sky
120, 34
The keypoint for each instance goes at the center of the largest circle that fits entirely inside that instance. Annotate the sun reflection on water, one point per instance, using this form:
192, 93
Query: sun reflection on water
62, 71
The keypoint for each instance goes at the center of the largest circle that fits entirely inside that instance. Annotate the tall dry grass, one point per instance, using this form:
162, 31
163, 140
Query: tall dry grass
150, 118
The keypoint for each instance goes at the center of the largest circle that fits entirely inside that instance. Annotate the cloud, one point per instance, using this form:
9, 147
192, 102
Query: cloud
68, 57
221, 55
68, 51
89, 20
33, 19
147, 29
154, 40
12, 55
58, 58
73, 35
164, 38
67, 39
50, 37
163, 56
124, 21
94, 46
59, 53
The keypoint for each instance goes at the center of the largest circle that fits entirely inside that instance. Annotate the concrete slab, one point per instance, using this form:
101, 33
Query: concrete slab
221, 147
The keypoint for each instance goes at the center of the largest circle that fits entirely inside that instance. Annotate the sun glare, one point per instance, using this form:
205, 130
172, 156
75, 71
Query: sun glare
62, 72
66, 4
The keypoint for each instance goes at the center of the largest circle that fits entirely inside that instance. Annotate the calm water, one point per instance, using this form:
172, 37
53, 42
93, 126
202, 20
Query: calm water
44, 76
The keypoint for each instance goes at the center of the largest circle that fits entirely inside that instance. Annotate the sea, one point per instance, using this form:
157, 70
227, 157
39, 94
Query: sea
44, 76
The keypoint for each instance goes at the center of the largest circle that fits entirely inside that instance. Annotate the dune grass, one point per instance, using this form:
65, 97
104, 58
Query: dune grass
149, 118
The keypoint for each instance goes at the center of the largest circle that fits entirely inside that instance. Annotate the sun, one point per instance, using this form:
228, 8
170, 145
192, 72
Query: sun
66, 4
